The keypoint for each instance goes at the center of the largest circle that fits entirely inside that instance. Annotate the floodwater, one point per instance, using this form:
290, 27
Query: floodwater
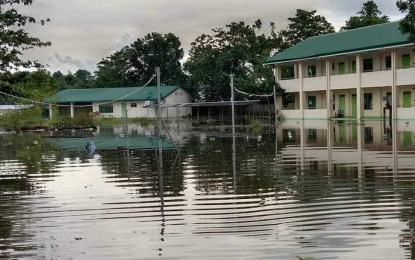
310, 189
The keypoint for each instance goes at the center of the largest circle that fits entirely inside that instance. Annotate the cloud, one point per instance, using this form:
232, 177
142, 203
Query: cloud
92, 30
69, 61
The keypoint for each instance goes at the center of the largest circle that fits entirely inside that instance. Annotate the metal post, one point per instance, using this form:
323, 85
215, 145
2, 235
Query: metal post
233, 106
159, 103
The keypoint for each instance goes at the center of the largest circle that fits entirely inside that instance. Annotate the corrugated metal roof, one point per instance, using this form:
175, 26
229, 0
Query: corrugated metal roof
109, 94
365, 38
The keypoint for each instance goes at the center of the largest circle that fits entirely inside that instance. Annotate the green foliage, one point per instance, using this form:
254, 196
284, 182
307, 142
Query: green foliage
369, 15
14, 40
407, 24
303, 25
80, 79
23, 119
35, 85
238, 49
135, 64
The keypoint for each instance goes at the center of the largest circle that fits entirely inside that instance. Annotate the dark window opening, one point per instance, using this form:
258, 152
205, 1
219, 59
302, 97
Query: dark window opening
367, 65
368, 101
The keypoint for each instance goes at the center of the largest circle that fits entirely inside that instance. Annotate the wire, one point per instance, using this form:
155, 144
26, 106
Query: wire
253, 95
79, 106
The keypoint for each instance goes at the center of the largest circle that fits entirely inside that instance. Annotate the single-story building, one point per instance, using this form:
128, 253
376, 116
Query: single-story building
131, 102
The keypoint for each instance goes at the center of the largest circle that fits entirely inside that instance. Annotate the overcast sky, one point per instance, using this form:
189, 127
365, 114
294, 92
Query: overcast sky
83, 32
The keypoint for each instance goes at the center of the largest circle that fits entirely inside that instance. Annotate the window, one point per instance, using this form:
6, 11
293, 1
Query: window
312, 102
368, 101
106, 109
133, 104
388, 62
181, 93
176, 93
367, 65
311, 71
368, 135
342, 68
312, 135
334, 102
353, 68
288, 101
406, 61
287, 71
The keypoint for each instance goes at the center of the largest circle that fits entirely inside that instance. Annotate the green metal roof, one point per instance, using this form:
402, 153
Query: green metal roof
365, 38
109, 94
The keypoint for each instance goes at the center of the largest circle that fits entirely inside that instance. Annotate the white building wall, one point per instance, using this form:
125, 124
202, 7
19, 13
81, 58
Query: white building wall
137, 111
180, 96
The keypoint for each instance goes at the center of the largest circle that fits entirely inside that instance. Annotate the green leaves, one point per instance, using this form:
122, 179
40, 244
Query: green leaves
14, 40
237, 49
407, 24
303, 25
135, 64
369, 15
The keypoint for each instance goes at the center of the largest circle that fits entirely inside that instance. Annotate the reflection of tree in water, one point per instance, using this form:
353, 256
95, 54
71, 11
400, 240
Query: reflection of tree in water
138, 169
212, 162
23, 158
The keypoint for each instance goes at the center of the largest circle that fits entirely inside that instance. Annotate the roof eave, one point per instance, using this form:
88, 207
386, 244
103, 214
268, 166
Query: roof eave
339, 53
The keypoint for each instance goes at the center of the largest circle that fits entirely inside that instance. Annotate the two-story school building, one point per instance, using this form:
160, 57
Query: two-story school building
362, 73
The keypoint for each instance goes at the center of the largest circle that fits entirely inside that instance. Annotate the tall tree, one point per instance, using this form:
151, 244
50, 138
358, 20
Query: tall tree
407, 24
303, 25
14, 40
136, 63
369, 15
238, 49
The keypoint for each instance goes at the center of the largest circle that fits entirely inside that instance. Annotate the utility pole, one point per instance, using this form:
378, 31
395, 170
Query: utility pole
158, 103
233, 106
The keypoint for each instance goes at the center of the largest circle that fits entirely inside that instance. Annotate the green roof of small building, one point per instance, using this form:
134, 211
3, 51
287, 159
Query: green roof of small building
361, 39
111, 94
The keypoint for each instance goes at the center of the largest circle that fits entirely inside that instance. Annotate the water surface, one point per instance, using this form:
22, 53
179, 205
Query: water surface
338, 190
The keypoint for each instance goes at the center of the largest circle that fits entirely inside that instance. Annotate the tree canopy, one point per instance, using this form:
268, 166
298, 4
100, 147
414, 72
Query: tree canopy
303, 25
14, 40
407, 24
135, 64
369, 15
237, 49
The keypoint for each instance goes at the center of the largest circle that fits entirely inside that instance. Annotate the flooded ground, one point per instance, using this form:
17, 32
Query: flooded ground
337, 190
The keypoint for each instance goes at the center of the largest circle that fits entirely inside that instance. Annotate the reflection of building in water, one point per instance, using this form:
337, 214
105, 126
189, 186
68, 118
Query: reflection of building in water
177, 130
332, 145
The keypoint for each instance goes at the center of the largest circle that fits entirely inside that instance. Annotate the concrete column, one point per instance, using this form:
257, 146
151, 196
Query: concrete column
302, 96
72, 111
328, 91
359, 91
50, 111
394, 87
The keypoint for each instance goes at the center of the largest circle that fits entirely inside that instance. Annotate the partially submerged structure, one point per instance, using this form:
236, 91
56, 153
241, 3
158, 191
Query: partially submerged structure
123, 102
362, 73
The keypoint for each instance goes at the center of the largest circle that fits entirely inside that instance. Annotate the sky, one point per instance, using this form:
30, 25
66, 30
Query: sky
84, 32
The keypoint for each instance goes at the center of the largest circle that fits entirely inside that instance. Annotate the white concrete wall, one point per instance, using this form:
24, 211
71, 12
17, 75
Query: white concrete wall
405, 76
177, 97
180, 96
344, 81
315, 113
315, 84
292, 114
290, 85
377, 79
